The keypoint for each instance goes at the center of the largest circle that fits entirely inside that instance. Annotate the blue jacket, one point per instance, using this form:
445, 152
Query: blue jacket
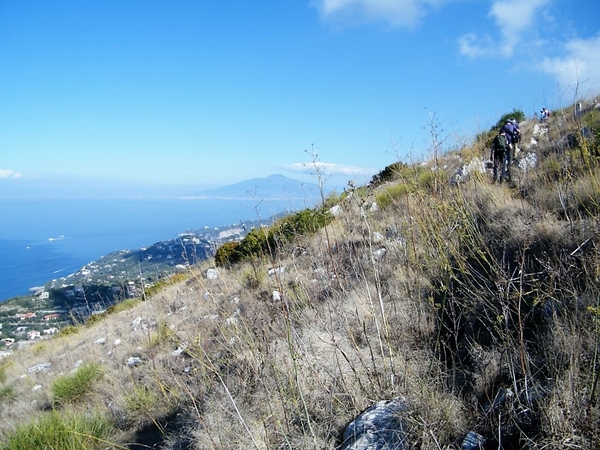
512, 132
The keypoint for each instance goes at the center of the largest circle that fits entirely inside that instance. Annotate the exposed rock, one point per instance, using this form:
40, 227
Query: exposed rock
133, 361
378, 428
528, 162
276, 271
378, 237
473, 441
379, 253
179, 350
42, 367
212, 274
335, 210
137, 323
276, 296
100, 341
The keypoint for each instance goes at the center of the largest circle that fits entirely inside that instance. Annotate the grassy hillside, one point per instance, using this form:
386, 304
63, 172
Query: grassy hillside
478, 303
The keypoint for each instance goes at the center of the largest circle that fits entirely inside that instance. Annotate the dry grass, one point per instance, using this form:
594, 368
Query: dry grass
469, 301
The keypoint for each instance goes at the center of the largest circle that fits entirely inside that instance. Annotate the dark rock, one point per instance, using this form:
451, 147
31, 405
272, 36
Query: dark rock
380, 427
472, 441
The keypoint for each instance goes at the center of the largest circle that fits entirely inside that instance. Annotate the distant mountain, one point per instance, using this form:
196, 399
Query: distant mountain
273, 187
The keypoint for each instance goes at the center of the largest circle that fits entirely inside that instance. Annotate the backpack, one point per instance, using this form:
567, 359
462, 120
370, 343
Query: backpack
500, 142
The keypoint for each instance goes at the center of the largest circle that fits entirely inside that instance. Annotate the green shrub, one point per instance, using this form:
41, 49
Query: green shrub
68, 330
516, 114
57, 431
2, 373
430, 179
123, 306
388, 197
163, 283
485, 138
552, 168
307, 221
141, 404
96, 318
227, 254
254, 244
74, 387
390, 173
6, 393
265, 240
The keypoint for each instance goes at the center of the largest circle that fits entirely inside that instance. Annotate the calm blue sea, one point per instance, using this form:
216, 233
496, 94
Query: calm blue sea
43, 239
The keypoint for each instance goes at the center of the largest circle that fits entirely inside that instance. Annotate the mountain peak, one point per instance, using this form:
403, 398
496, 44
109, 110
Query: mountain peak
272, 187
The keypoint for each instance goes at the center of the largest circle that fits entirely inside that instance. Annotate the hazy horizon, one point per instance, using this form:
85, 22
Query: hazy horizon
138, 97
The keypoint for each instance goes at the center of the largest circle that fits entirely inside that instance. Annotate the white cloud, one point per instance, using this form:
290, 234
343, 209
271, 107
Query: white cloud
580, 66
329, 169
473, 46
402, 13
7, 173
512, 18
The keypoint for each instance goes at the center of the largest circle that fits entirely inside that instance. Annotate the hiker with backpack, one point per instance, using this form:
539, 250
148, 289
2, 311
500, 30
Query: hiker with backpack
500, 155
513, 134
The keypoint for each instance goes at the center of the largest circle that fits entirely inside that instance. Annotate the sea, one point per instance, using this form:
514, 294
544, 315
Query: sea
45, 239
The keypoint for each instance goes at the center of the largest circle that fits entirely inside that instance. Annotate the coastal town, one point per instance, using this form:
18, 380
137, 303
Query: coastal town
100, 284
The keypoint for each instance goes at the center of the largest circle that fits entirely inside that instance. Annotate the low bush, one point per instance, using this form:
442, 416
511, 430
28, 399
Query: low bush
2, 373
389, 196
266, 240
165, 282
68, 330
227, 254
57, 431
141, 405
123, 306
74, 387
6, 393
390, 173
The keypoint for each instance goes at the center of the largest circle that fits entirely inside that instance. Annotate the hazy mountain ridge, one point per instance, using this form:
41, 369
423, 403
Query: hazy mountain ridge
273, 187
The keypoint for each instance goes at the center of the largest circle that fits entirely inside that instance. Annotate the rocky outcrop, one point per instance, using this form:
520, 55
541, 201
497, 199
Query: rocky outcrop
380, 427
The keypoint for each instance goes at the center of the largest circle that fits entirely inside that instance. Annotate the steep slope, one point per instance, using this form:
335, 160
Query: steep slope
475, 303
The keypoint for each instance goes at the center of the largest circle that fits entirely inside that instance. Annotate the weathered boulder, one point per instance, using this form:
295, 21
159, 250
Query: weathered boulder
42, 367
134, 361
212, 274
380, 427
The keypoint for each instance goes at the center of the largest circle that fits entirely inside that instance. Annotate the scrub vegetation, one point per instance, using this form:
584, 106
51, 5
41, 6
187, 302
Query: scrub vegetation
478, 303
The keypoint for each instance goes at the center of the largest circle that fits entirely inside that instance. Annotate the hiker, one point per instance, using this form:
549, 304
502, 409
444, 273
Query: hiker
499, 155
513, 133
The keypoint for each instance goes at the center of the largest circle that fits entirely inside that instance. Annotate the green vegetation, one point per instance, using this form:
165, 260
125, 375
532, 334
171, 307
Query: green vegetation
75, 387
515, 114
58, 431
68, 330
6, 393
266, 241
390, 173
163, 283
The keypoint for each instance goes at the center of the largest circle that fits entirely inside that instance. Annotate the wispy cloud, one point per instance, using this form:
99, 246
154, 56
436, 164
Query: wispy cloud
398, 13
580, 67
7, 173
512, 19
329, 169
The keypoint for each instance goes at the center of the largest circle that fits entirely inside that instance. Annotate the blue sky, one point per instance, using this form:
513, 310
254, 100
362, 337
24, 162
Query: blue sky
172, 97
